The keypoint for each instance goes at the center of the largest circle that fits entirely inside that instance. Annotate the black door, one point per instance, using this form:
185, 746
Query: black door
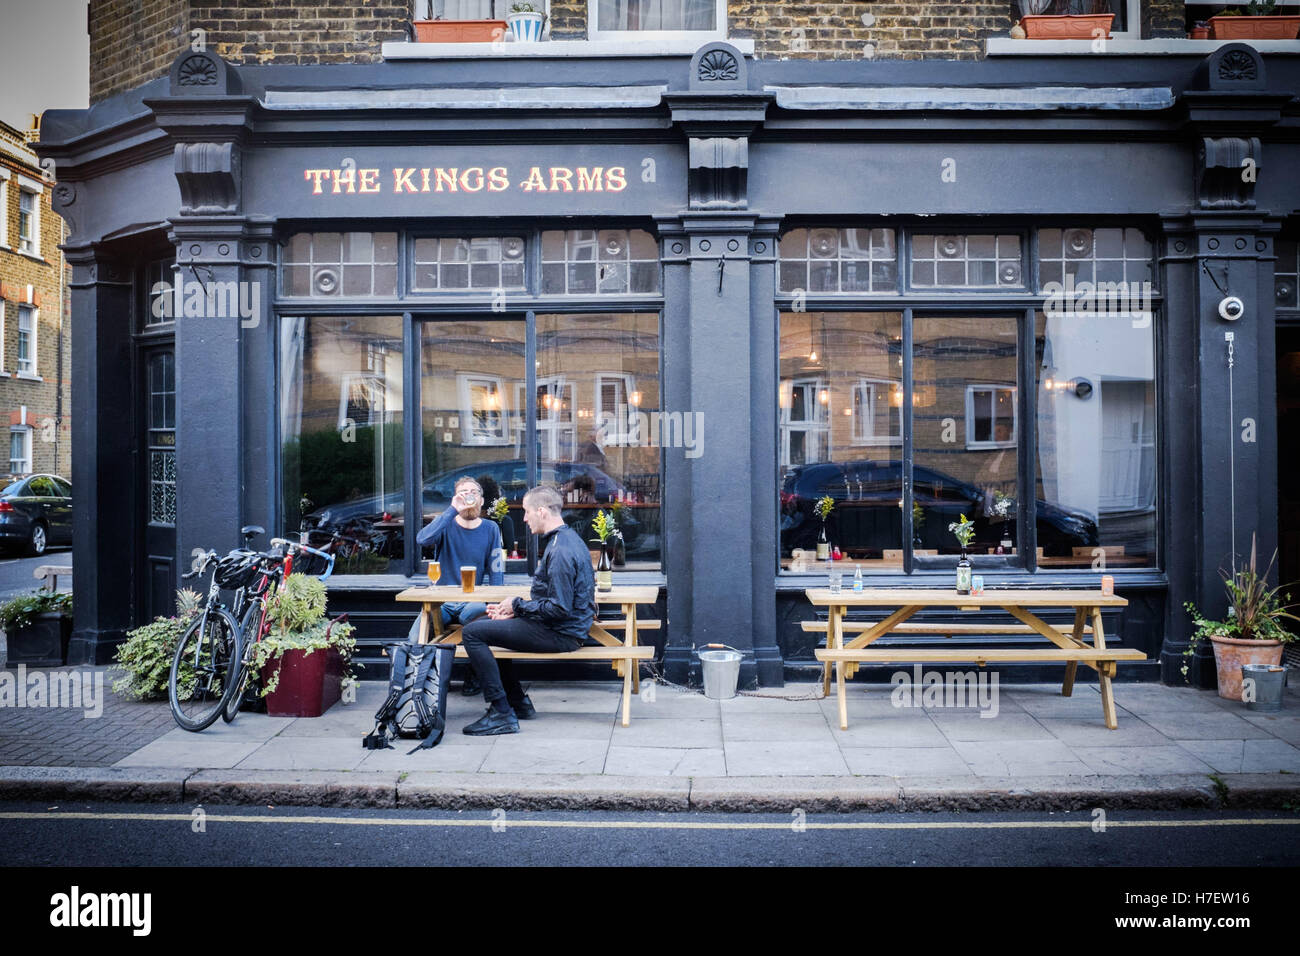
157, 497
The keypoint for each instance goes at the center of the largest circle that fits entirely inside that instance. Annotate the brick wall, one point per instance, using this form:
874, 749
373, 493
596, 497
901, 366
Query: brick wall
136, 40
51, 439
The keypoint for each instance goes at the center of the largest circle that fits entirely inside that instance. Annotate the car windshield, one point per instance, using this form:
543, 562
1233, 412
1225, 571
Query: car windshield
14, 489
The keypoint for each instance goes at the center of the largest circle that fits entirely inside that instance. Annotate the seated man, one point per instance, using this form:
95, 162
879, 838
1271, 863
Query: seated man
460, 537
556, 617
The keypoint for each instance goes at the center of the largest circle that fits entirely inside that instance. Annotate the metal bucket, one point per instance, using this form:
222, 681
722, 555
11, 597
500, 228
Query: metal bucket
1269, 679
721, 667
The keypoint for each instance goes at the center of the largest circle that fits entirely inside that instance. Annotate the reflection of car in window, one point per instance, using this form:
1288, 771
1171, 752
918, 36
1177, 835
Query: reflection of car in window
868, 511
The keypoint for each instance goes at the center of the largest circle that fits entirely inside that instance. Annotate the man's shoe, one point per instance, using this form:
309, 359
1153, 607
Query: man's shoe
493, 722
524, 710
471, 687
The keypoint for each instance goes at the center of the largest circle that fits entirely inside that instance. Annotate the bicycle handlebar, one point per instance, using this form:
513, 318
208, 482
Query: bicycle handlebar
208, 558
295, 546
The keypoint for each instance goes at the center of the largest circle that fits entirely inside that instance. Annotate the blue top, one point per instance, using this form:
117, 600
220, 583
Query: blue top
455, 547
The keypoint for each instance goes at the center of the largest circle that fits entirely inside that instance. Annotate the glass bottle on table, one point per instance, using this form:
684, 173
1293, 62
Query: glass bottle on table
823, 545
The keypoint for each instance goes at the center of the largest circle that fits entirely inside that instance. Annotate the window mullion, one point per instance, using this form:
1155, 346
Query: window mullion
907, 442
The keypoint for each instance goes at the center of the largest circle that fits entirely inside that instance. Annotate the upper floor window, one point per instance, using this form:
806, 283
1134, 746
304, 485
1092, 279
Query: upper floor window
609, 19
4, 206
26, 340
29, 222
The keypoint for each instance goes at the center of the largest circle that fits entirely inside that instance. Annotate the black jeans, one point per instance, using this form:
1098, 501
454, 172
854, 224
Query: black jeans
515, 633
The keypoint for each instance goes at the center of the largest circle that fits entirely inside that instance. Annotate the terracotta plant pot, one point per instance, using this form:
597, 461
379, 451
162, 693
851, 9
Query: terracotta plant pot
1230, 653
1254, 28
459, 31
1199, 33
310, 684
1079, 27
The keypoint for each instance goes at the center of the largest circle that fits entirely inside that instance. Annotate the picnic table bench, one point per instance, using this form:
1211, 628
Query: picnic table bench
48, 575
1068, 648
623, 654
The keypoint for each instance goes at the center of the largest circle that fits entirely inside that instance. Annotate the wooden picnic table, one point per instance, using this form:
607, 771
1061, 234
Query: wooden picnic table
623, 654
1069, 647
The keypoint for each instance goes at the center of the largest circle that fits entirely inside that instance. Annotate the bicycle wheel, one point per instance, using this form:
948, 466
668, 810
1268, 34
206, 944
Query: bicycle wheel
203, 669
252, 618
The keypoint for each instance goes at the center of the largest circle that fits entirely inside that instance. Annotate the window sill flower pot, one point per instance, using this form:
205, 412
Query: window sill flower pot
1254, 28
459, 31
310, 683
43, 643
526, 27
1080, 27
1230, 653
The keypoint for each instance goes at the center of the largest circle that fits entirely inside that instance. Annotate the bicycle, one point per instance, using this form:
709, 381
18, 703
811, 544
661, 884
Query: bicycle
274, 567
206, 658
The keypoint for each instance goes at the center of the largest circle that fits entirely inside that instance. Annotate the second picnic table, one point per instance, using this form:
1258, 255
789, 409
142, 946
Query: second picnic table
624, 654
1070, 648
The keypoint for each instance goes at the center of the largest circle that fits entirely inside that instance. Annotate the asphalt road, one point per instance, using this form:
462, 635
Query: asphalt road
16, 572
115, 835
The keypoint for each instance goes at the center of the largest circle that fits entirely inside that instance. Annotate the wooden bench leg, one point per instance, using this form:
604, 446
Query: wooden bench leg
839, 686
628, 668
1067, 685
1105, 671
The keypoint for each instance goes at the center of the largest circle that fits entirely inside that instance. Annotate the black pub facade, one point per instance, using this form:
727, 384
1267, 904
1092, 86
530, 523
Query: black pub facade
704, 293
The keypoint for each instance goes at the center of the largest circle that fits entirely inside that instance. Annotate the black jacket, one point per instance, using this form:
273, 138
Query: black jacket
564, 586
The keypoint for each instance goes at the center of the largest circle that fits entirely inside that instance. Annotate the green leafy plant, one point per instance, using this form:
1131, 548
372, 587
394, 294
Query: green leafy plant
522, 7
825, 505
1255, 610
297, 616
603, 525
146, 654
499, 509
963, 531
18, 613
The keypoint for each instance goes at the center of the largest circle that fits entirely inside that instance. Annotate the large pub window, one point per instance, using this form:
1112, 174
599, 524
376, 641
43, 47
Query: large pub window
1005, 376
561, 388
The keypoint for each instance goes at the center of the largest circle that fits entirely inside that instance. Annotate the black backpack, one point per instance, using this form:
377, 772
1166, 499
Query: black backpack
416, 706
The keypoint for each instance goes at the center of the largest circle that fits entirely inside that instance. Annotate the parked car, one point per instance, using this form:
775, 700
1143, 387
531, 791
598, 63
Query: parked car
36, 512
352, 518
868, 511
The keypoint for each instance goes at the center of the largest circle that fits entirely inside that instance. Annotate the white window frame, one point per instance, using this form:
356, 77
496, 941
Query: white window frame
25, 431
377, 382
867, 392
33, 369
4, 208
551, 430
971, 443
614, 420
719, 31
465, 384
820, 425
34, 189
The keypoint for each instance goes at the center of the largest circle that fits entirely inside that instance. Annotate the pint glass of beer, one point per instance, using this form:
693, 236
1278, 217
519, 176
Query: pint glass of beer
467, 579
435, 572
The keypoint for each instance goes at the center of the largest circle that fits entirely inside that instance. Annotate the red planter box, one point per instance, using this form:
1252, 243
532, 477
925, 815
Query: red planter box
310, 684
459, 31
1066, 27
1254, 28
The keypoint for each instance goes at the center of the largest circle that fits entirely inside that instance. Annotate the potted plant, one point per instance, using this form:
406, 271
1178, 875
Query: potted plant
1253, 632
38, 627
439, 30
1200, 31
525, 22
1039, 23
146, 654
303, 661
604, 527
1258, 22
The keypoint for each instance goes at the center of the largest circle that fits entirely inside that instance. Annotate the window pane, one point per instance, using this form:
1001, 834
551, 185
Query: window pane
957, 261
1095, 415
840, 434
964, 440
838, 260
341, 422
599, 430
656, 15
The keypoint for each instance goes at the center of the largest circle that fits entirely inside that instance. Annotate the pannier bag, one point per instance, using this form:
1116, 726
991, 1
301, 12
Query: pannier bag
416, 705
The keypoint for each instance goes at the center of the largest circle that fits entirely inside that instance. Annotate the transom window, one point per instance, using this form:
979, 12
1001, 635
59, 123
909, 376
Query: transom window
839, 260
352, 264
957, 262
480, 263
1093, 255
1286, 272
599, 261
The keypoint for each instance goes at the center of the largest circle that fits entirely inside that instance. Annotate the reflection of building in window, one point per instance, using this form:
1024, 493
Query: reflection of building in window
877, 412
555, 432
805, 420
1128, 447
362, 401
615, 399
482, 410
990, 416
